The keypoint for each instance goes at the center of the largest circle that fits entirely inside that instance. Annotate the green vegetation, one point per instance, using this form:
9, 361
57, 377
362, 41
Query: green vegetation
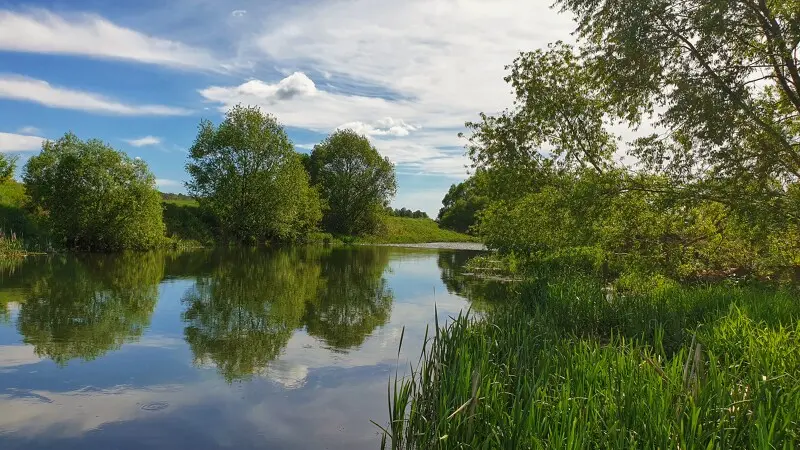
402, 230
463, 203
405, 212
574, 367
606, 343
246, 174
94, 198
355, 182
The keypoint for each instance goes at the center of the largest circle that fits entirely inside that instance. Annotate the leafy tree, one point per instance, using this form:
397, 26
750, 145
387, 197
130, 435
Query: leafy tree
722, 79
245, 173
7, 166
83, 307
353, 299
355, 181
558, 194
461, 205
96, 198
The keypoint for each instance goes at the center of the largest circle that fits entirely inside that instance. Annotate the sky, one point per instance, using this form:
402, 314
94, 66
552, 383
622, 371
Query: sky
140, 75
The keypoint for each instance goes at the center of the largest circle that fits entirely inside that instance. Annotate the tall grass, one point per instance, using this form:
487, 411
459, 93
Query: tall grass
572, 365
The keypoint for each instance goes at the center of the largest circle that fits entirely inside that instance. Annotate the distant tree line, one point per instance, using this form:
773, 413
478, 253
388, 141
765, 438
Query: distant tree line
405, 212
174, 196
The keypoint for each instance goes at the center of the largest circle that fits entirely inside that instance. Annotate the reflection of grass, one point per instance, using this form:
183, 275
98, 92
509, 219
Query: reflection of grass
404, 230
572, 365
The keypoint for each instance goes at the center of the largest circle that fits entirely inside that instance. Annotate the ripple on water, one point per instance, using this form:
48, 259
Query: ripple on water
155, 406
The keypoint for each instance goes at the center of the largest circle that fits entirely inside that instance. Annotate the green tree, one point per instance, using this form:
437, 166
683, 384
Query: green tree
83, 307
355, 181
461, 205
722, 79
246, 173
7, 166
96, 198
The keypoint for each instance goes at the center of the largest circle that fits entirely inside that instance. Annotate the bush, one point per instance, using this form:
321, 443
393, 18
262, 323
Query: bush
95, 198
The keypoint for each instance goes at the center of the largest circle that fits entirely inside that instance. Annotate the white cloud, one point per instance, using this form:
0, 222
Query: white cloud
10, 142
432, 63
29, 130
163, 183
90, 35
238, 13
38, 91
144, 141
384, 127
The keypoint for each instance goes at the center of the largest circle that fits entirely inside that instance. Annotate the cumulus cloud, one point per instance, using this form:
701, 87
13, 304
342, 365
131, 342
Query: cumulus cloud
38, 91
432, 63
10, 142
144, 141
40, 31
384, 127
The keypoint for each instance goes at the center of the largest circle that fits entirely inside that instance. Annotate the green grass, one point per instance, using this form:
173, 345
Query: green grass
404, 230
179, 202
572, 366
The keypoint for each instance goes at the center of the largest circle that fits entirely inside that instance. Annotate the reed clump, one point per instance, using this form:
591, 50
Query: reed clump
572, 364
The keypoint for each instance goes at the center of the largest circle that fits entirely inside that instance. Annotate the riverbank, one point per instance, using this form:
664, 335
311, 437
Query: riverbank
570, 364
186, 226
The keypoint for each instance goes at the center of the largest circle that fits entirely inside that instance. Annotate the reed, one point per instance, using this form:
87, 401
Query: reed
570, 365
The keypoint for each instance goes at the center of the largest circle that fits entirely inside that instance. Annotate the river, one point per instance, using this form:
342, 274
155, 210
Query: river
238, 348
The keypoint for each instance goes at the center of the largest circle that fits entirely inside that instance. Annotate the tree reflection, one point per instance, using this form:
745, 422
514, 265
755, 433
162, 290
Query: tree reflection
241, 316
83, 307
354, 298
479, 291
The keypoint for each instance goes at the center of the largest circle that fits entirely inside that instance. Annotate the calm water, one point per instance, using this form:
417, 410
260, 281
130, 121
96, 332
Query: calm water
272, 349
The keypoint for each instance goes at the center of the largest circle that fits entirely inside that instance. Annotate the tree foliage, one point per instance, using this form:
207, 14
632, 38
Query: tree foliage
405, 212
96, 198
246, 173
720, 77
715, 190
8, 164
462, 203
355, 181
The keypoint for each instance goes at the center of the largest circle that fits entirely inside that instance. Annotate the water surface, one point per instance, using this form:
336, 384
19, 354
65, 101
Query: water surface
263, 349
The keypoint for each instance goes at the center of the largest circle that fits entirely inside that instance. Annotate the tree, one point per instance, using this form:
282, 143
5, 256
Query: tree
246, 173
96, 198
7, 166
355, 181
557, 194
722, 79
461, 205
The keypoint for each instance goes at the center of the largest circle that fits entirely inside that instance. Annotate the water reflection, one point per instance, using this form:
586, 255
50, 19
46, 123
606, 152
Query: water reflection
84, 307
241, 316
353, 299
309, 335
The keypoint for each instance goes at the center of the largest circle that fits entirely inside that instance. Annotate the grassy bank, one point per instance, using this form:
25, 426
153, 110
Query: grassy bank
571, 365
405, 230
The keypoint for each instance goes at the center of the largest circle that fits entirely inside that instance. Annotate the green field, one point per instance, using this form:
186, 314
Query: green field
403, 230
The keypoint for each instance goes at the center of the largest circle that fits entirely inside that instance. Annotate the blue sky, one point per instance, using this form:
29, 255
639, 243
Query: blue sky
140, 75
